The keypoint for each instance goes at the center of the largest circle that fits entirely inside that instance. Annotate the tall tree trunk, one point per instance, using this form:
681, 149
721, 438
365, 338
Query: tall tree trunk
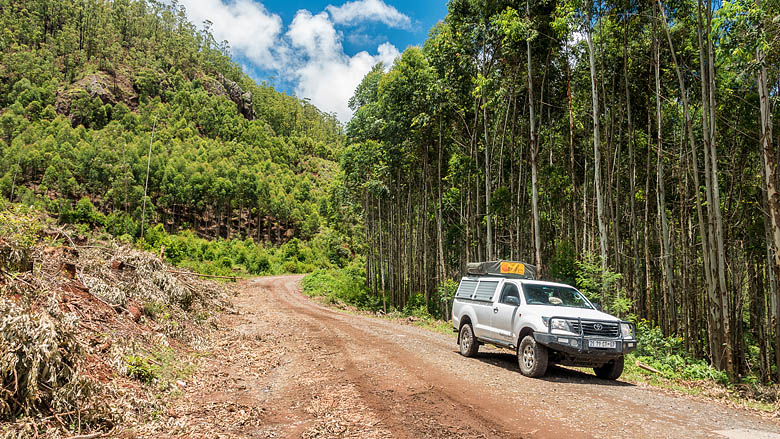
715, 319
571, 148
634, 279
596, 145
534, 156
710, 283
723, 292
769, 159
439, 234
488, 190
668, 293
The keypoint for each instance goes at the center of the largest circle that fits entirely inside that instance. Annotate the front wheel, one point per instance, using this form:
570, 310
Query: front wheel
468, 343
532, 357
611, 370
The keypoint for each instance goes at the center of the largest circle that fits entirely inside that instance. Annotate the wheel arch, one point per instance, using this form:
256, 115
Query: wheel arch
463, 320
523, 332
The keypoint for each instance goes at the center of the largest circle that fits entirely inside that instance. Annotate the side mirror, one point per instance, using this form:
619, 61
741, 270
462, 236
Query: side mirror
596, 305
512, 300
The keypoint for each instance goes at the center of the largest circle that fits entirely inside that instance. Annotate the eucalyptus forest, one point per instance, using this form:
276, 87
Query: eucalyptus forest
623, 146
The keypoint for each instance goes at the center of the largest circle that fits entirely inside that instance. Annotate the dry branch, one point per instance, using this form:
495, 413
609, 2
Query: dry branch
233, 278
646, 367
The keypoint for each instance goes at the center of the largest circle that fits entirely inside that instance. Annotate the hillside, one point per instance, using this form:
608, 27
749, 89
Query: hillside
84, 86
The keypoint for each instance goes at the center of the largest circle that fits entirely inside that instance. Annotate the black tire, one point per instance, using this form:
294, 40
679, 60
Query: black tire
611, 370
532, 357
468, 342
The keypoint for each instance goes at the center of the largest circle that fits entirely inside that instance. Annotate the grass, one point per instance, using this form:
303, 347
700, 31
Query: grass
161, 367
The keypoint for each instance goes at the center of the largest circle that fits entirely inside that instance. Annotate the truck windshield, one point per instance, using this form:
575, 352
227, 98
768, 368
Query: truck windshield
554, 295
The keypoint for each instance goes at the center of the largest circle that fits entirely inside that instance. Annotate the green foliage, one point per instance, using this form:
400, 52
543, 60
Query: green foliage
446, 292
416, 307
563, 265
230, 257
343, 285
19, 232
19, 226
161, 367
141, 368
83, 213
668, 355
602, 286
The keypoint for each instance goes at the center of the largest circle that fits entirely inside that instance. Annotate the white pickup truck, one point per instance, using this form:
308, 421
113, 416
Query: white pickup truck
501, 303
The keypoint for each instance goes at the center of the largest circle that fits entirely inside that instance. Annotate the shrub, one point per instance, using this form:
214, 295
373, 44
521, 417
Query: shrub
19, 230
416, 306
141, 369
345, 285
668, 355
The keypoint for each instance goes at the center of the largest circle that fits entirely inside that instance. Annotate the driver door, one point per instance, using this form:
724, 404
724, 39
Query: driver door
505, 314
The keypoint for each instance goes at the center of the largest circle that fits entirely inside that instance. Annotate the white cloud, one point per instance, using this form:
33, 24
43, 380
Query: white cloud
310, 52
369, 10
250, 29
327, 75
314, 34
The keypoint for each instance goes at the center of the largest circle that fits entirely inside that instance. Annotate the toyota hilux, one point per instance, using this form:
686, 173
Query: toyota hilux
501, 303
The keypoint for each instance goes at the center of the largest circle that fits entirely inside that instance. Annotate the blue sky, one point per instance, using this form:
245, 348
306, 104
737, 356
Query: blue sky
317, 49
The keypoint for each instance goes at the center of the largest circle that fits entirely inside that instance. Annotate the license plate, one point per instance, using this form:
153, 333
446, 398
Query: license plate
601, 344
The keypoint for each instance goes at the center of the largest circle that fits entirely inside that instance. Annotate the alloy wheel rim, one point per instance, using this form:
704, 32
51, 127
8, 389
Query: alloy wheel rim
465, 340
528, 357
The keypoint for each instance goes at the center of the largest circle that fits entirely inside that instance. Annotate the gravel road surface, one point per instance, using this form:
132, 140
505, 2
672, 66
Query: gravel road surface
285, 366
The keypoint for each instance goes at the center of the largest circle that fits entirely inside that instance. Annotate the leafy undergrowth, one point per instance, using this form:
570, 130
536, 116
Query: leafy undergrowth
92, 332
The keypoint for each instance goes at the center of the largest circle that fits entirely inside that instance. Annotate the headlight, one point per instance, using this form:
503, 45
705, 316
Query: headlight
625, 330
560, 324
556, 324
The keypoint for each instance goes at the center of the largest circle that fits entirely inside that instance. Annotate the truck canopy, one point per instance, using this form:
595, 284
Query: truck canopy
510, 269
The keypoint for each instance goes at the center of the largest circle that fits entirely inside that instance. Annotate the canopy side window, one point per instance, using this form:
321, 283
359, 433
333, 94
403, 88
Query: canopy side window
466, 289
486, 289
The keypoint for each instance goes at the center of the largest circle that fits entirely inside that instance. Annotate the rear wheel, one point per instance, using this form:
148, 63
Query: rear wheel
468, 343
532, 357
611, 370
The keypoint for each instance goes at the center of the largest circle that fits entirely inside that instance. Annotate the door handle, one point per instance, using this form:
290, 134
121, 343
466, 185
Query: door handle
495, 310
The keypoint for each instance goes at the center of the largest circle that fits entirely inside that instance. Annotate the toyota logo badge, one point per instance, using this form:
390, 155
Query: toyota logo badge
598, 327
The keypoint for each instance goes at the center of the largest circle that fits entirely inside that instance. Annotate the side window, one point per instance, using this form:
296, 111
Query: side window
510, 289
485, 290
466, 289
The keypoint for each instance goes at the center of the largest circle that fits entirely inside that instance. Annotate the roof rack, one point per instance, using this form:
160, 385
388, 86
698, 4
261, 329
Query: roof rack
510, 269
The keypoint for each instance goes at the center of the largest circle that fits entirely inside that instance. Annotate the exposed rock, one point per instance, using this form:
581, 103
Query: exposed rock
213, 86
109, 89
242, 99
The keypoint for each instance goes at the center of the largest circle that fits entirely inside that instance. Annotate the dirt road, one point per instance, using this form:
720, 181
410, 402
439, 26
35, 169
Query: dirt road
285, 366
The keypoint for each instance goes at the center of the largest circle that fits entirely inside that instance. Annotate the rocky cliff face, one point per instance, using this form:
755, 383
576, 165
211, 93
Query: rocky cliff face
243, 99
109, 89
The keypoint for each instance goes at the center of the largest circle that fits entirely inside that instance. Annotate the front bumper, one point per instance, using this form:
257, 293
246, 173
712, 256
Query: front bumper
579, 345
587, 346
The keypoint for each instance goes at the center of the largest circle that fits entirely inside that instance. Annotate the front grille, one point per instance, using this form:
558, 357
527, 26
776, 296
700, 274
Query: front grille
590, 328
